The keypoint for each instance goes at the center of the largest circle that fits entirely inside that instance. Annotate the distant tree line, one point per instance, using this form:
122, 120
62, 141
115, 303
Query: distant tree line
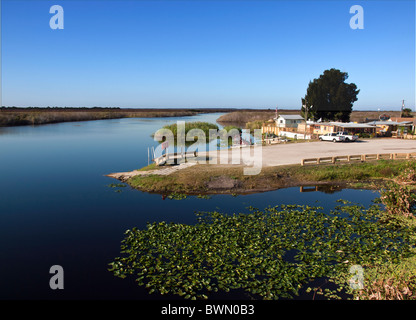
59, 108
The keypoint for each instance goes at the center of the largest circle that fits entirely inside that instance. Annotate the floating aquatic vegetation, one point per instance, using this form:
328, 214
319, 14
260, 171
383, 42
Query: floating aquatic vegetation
117, 185
203, 196
177, 196
270, 254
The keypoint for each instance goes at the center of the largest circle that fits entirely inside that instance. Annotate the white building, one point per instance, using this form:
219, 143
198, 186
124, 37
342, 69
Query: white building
289, 121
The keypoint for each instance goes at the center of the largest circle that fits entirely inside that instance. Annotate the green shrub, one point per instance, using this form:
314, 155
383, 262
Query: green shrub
204, 126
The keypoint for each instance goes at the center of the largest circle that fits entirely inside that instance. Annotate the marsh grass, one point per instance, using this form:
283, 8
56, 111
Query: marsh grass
194, 180
252, 125
245, 116
356, 172
36, 116
202, 127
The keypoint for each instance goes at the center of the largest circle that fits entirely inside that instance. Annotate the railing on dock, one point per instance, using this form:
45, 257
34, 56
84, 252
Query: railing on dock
172, 156
358, 158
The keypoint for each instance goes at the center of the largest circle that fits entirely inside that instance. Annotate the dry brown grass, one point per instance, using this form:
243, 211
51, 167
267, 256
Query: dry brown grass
390, 281
389, 289
34, 116
242, 117
361, 116
211, 179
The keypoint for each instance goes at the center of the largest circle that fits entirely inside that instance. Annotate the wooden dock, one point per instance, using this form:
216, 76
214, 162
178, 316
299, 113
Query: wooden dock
181, 156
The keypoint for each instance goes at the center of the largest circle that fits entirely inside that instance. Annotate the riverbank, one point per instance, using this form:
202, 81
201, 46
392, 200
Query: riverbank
230, 179
36, 116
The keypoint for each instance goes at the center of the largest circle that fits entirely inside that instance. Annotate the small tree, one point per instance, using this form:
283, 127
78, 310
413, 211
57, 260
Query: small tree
329, 97
407, 113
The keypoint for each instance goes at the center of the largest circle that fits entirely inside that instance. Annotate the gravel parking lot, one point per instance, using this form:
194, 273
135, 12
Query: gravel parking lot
293, 153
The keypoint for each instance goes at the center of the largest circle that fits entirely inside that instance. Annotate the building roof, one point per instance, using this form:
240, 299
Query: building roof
291, 117
390, 123
383, 123
351, 125
319, 123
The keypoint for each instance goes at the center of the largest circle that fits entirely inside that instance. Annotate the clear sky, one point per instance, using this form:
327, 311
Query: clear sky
248, 54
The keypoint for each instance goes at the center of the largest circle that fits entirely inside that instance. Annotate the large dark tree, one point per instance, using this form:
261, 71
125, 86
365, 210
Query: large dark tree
329, 97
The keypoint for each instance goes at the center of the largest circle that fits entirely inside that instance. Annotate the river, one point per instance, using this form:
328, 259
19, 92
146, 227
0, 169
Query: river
56, 207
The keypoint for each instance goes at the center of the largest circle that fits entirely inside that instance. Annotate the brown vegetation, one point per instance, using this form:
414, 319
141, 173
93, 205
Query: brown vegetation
226, 179
243, 117
362, 116
34, 116
397, 280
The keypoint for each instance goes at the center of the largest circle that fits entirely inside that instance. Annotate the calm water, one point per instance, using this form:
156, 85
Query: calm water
56, 207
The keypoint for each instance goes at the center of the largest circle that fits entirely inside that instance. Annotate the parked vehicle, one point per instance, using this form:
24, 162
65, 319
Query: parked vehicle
334, 137
348, 137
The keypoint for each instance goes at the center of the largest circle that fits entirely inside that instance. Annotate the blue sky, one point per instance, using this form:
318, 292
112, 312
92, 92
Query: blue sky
241, 54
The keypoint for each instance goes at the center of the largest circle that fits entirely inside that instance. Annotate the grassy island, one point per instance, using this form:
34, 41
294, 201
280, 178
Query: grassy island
209, 179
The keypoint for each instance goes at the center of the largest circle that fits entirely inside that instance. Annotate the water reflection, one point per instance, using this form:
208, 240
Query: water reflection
325, 188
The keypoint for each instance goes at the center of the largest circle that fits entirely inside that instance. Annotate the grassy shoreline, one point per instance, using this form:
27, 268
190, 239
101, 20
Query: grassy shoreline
13, 116
37, 116
226, 179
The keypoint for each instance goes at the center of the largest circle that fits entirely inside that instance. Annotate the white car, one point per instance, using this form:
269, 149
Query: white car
334, 137
348, 137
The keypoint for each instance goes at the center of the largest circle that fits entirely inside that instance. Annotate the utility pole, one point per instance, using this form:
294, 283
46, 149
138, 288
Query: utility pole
306, 112
305, 107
